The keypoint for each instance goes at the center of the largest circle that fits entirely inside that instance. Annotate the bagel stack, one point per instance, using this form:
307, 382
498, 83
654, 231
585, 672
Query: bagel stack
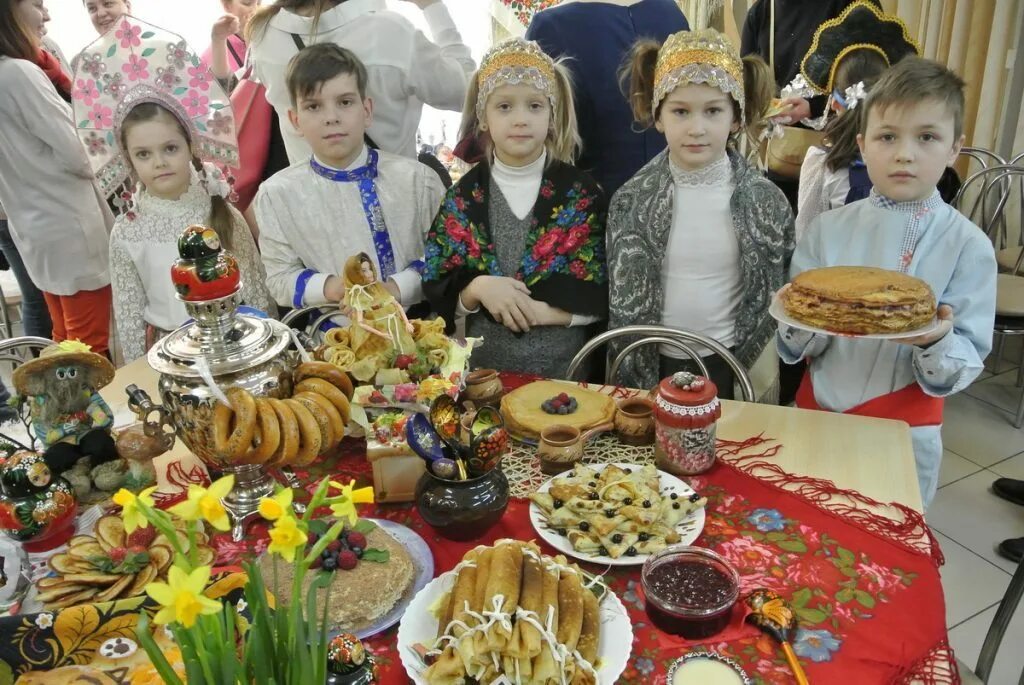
285, 432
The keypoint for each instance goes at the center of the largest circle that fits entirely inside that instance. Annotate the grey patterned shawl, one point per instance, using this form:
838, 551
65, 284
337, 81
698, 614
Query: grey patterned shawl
639, 222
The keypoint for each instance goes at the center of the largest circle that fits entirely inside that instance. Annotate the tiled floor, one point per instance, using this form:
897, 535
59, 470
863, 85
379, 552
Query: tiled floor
969, 521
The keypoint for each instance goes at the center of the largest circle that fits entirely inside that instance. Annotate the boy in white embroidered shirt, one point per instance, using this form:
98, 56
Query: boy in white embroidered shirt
346, 198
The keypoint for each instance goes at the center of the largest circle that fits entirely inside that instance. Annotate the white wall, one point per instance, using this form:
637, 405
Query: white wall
192, 19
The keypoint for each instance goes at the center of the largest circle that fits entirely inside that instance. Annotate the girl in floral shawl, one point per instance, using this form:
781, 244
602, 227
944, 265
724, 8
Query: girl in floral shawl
518, 246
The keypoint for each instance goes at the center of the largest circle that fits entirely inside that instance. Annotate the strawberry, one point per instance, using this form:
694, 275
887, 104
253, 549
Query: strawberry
356, 540
136, 549
141, 537
118, 554
347, 560
404, 361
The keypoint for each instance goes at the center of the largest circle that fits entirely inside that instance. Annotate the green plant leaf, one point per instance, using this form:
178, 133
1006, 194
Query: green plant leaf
377, 556
318, 526
801, 597
864, 599
810, 615
794, 546
364, 526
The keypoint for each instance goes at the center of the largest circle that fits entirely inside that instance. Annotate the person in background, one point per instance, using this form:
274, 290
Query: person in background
612, 150
55, 214
1012, 490
226, 54
405, 69
104, 13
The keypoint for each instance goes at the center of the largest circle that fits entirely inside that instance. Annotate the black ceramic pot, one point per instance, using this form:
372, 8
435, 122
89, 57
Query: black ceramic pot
462, 509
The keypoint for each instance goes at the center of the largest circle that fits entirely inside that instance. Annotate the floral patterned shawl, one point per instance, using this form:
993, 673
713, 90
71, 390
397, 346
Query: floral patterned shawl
563, 263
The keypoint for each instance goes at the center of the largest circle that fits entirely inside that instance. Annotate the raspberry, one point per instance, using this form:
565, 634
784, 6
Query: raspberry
334, 546
356, 540
564, 397
141, 537
311, 538
347, 560
118, 554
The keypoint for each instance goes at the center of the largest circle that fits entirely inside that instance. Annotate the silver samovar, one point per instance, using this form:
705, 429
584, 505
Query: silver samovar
224, 348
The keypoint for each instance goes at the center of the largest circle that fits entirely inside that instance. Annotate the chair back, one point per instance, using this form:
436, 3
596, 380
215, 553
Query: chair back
997, 193
661, 335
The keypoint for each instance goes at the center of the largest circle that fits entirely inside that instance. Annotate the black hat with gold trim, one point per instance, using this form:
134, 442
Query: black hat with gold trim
862, 25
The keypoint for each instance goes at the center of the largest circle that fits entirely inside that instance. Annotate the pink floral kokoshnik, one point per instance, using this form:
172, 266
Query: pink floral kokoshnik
136, 63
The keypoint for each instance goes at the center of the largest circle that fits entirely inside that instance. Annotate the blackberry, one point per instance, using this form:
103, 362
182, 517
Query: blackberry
627, 501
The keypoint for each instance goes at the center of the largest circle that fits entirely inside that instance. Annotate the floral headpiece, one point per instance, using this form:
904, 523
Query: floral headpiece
512, 62
860, 26
139, 63
704, 56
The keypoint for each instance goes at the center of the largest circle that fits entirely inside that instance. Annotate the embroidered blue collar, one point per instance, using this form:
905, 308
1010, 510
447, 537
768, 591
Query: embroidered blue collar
367, 171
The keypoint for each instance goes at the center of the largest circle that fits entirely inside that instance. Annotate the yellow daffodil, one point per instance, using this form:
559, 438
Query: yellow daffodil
285, 537
273, 508
205, 504
182, 597
130, 511
346, 508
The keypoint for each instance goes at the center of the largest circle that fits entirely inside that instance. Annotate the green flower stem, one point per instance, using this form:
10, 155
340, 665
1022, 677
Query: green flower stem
160, 663
192, 558
332, 534
317, 500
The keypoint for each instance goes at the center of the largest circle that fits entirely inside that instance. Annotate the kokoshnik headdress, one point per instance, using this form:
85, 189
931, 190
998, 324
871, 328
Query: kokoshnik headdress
704, 56
513, 62
135, 63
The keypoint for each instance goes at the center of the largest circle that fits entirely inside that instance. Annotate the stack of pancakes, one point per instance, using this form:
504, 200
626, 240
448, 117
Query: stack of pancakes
861, 300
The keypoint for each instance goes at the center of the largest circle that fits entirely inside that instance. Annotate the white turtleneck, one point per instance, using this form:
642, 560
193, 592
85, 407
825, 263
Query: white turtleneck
410, 286
701, 272
519, 184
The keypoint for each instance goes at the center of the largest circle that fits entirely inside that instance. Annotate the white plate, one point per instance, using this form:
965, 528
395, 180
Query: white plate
419, 626
778, 312
689, 528
422, 559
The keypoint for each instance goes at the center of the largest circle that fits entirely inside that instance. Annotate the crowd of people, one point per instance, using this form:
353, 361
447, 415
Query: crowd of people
615, 184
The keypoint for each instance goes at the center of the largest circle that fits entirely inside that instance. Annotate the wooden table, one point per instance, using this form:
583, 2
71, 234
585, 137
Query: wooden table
873, 456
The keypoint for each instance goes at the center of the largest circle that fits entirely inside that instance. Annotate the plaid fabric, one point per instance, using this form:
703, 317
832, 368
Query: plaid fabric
915, 211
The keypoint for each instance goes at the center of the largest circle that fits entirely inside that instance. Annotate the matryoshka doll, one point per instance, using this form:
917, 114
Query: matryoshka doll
686, 410
37, 507
204, 270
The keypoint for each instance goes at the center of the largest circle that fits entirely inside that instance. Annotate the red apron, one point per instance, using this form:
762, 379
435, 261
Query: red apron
910, 404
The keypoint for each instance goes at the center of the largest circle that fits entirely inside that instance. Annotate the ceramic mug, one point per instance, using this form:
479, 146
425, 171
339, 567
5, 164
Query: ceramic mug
634, 421
483, 386
561, 446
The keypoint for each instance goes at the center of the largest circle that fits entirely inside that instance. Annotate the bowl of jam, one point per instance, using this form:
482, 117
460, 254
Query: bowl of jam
690, 591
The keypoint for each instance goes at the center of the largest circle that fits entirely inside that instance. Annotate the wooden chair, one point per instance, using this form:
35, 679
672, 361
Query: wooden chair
982, 671
661, 335
1001, 186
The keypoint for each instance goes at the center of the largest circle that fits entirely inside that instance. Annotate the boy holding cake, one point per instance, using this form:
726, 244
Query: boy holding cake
910, 131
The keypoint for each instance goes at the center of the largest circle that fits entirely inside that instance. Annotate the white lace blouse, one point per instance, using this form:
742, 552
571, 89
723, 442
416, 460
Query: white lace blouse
142, 251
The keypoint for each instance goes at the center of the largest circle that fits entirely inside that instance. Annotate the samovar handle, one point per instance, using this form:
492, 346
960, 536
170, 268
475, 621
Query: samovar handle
143, 407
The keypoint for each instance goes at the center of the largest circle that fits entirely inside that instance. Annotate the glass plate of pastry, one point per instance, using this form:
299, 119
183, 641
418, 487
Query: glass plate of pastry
857, 302
616, 514
508, 613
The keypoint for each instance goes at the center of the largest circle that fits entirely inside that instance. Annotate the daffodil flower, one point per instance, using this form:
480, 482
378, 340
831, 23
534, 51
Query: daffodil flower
286, 535
205, 504
130, 511
273, 508
344, 507
182, 597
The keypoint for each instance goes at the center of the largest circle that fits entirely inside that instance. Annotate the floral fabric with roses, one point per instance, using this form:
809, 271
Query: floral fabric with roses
563, 262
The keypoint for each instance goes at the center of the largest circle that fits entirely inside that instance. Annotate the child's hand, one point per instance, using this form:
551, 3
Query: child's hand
507, 299
945, 315
550, 316
225, 27
794, 109
334, 289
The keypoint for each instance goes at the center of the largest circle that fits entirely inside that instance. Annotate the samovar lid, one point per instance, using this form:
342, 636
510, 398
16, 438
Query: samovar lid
227, 341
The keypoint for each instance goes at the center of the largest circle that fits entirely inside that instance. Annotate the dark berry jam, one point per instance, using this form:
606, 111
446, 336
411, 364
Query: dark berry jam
689, 594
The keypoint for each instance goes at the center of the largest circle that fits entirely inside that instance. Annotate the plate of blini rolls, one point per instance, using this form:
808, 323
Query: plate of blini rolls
510, 614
